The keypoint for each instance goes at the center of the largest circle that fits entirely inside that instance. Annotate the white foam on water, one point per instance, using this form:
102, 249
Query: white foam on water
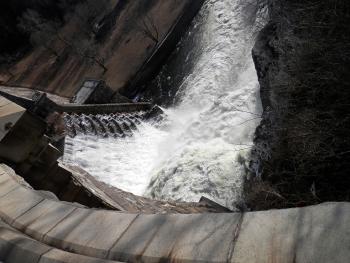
119, 162
199, 150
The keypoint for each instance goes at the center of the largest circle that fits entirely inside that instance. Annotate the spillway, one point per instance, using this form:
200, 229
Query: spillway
201, 144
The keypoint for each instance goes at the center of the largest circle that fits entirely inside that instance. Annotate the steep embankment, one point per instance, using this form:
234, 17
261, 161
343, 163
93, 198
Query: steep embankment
302, 148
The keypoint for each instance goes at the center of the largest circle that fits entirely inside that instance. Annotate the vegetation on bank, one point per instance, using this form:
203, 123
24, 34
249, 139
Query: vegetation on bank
302, 153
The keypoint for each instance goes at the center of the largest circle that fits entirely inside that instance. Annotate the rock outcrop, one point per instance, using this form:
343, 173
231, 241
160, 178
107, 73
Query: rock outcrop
302, 147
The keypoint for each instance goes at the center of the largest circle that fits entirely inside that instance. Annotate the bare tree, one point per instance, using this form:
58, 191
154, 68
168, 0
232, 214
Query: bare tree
42, 31
87, 14
149, 28
88, 50
85, 48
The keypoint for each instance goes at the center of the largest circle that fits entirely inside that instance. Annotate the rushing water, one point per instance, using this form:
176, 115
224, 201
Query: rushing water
201, 146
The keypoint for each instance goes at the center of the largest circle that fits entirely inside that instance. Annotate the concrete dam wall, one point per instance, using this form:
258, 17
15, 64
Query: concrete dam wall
132, 41
48, 230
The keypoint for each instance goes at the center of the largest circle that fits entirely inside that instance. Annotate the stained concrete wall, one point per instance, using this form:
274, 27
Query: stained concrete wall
312, 234
10, 113
16, 247
17, 125
125, 49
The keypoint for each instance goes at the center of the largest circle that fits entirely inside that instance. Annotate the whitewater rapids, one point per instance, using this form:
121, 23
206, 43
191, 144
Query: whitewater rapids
202, 145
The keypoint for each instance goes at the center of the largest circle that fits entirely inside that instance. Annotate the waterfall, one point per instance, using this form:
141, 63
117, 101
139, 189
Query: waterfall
200, 146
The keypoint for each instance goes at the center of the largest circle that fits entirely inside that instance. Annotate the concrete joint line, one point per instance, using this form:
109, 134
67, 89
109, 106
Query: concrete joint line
26, 211
116, 242
236, 233
39, 259
1, 196
65, 217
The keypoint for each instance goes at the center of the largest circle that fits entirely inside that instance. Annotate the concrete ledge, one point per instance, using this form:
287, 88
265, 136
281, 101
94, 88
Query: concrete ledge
312, 234
104, 108
10, 113
18, 248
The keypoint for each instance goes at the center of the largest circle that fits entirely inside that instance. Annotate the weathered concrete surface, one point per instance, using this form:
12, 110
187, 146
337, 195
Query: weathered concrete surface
51, 103
125, 201
28, 93
14, 247
164, 49
42, 218
16, 125
312, 234
185, 238
10, 113
87, 232
93, 91
18, 248
9, 203
124, 48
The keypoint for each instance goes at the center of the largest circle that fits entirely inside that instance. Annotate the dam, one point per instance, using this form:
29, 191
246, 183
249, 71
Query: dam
201, 145
159, 181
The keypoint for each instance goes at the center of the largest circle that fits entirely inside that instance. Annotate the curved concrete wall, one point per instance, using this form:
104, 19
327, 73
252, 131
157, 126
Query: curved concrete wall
18, 248
312, 234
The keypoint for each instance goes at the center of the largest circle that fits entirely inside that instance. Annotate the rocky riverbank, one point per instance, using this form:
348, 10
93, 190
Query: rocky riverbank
302, 147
